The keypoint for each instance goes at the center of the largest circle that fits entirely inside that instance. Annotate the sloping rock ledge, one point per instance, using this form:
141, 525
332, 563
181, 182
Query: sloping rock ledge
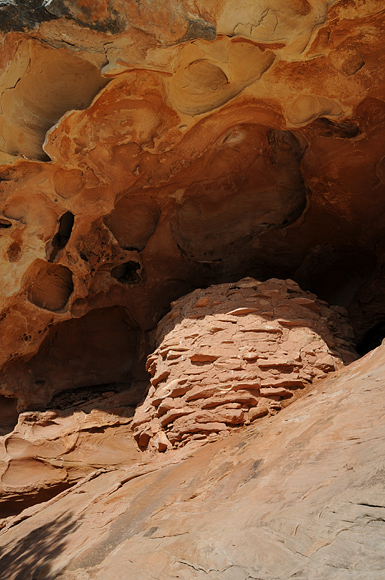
297, 496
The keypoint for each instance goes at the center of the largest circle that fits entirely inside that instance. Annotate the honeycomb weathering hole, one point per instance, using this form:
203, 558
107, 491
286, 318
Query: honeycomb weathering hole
372, 338
5, 224
63, 234
233, 353
51, 285
132, 222
126, 273
8, 414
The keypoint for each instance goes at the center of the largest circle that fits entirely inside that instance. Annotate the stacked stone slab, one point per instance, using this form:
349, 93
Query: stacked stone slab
233, 353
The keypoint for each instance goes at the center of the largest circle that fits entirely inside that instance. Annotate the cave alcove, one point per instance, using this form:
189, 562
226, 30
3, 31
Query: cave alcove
80, 359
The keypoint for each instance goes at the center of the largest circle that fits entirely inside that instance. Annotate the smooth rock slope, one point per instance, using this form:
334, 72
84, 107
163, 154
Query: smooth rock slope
300, 495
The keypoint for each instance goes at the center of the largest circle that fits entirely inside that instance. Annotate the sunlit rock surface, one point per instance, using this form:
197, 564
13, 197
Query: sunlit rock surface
300, 494
49, 451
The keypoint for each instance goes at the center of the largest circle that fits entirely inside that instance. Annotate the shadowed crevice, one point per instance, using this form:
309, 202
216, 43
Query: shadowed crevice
62, 236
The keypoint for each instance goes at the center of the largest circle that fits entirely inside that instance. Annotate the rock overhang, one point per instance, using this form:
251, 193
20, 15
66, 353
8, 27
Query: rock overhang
180, 146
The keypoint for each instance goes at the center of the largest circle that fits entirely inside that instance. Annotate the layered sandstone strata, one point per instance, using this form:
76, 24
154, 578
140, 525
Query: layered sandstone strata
49, 451
226, 356
233, 353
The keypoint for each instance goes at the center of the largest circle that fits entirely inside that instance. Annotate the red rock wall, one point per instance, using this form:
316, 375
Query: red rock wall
149, 149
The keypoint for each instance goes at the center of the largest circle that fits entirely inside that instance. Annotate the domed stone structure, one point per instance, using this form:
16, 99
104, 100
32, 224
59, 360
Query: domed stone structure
233, 353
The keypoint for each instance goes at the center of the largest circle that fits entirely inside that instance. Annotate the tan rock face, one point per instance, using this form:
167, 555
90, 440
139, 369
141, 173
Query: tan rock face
147, 149
234, 353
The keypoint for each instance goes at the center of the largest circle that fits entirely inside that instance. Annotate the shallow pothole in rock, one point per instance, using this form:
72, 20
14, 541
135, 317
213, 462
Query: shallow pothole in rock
40, 85
51, 285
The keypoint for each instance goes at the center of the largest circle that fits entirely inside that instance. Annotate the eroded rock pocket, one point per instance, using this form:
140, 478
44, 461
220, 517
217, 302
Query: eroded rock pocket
51, 285
127, 273
62, 236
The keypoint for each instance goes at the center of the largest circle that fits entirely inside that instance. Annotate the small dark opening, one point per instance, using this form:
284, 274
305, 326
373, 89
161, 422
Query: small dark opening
26, 500
126, 273
63, 234
5, 223
344, 130
8, 415
84, 395
372, 339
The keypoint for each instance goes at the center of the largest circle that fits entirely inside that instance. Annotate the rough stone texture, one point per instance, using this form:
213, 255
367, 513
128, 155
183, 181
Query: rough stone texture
299, 495
233, 353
